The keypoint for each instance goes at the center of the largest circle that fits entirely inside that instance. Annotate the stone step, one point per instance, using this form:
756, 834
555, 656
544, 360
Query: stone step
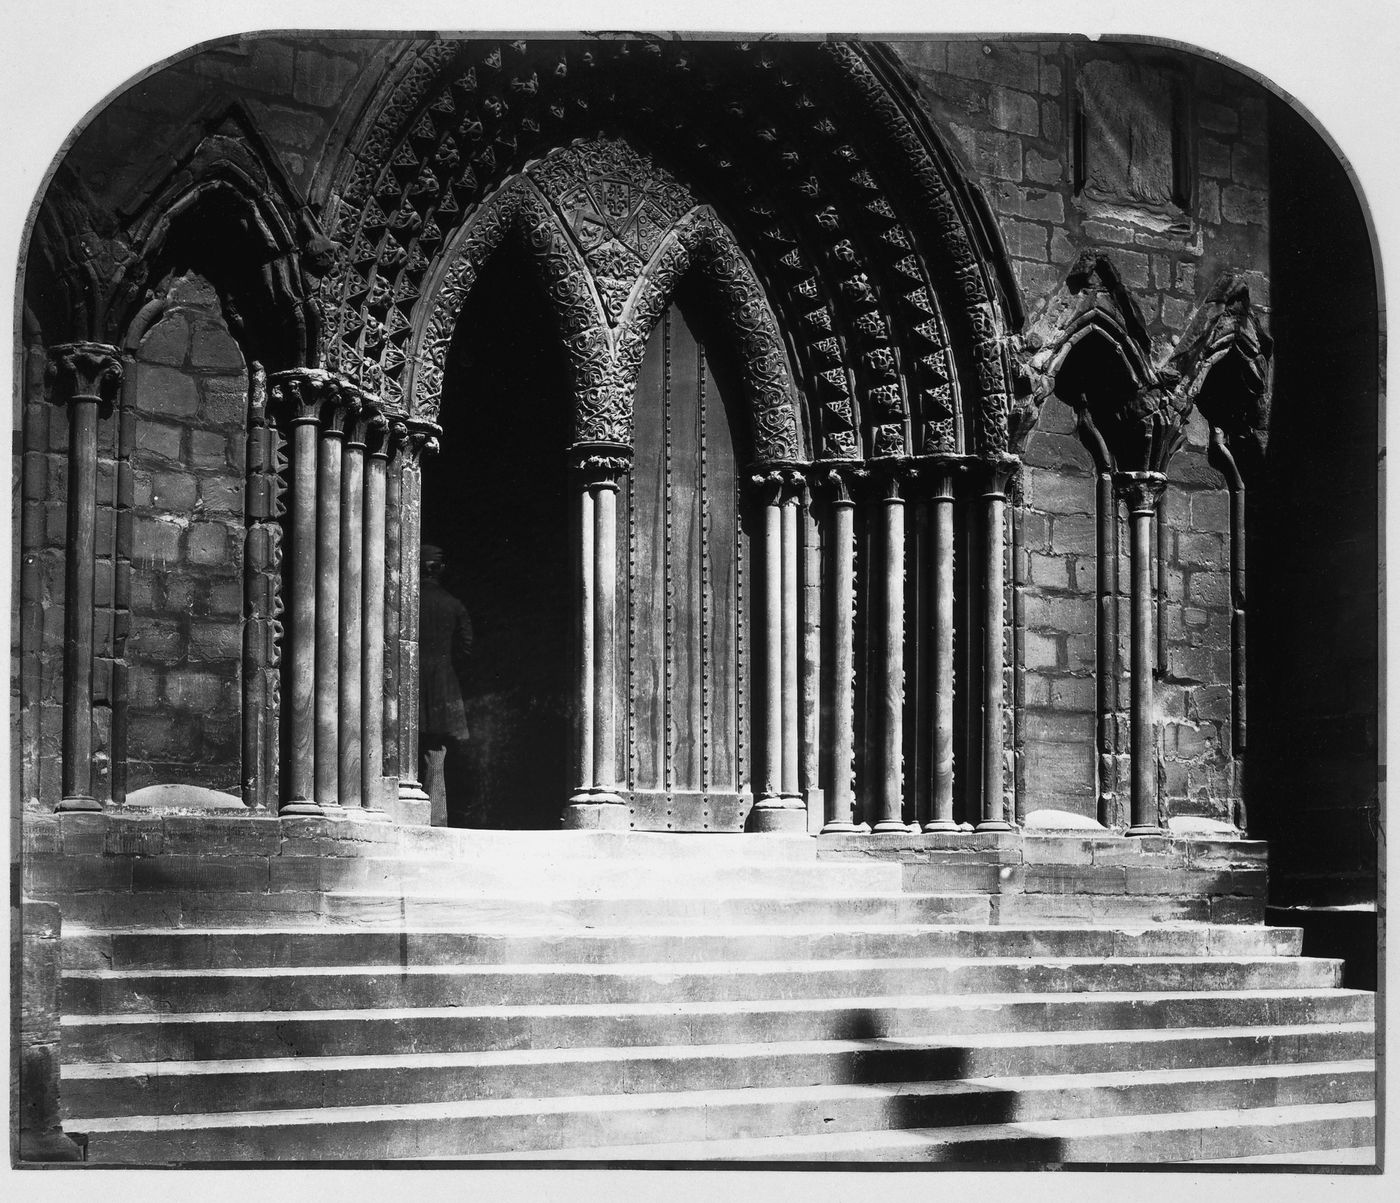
1143, 1139
427, 910
703, 907
285, 1082
231, 947
1362, 1156
199, 1035
419, 1130
115, 991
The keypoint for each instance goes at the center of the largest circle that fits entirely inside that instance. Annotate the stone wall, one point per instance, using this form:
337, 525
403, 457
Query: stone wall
1008, 112
190, 398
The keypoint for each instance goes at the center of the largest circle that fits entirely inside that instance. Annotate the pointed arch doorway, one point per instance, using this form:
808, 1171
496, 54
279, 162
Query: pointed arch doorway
497, 501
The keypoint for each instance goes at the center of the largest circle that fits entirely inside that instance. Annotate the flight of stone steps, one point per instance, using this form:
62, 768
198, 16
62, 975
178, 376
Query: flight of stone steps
767, 1007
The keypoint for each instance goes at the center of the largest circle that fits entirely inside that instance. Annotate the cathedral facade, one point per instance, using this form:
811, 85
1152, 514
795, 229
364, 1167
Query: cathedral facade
966, 445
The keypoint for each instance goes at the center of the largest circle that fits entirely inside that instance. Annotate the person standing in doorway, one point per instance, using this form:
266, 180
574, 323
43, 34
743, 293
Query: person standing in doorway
445, 644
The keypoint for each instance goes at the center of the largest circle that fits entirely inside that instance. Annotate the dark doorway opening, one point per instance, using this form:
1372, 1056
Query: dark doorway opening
495, 500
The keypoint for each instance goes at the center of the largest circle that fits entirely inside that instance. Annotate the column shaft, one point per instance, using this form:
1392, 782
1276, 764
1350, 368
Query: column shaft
942, 801
352, 629
840, 800
771, 784
301, 622
85, 378
993, 643
584, 617
372, 669
605, 645
1142, 491
597, 803
78, 597
790, 645
393, 589
888, 684
328, 585
421, 441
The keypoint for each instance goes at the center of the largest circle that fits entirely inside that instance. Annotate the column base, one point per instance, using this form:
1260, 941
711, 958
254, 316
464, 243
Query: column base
78, 802
1143, 829
934, 825
376, 814
601, 811
300, 806
995, 825
355, 813
838, 827
890, 827
778, 814
411, 806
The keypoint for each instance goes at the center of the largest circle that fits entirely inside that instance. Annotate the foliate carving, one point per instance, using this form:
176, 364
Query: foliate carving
827, 232
1224, 359
890, 125
83, 370
310, 395
1140, 491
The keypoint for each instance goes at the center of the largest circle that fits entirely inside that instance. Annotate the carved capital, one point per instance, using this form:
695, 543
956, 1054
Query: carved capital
779, 484
935, 475
1140, 491
995, 473
361, 416
837, 481
302, 396
420, 439
83, 372
600, 464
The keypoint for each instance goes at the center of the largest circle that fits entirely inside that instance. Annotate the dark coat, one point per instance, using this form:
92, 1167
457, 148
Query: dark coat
444, 644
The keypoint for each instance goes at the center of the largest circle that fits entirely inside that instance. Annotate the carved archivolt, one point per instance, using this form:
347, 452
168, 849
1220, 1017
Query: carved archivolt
856, 240
633, 234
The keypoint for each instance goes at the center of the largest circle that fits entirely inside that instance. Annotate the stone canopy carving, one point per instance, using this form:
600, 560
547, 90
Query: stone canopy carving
606, 295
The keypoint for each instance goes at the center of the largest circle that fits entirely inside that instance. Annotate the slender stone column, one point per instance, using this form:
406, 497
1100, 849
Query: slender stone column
341, 411
349, 750
596, 803
583, 675
772, 782
840, 799
393, 596
997, 473
1141, 491
372, 691
605, 644
422, 439
297, 399
887, 668
941, 493
84, 377
778, 806
792, 498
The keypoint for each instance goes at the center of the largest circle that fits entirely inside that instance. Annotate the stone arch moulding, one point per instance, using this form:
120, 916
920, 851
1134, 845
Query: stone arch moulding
882, 283
605, 316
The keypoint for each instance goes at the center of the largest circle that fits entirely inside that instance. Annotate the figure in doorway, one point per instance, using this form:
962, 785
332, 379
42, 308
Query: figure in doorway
445, 644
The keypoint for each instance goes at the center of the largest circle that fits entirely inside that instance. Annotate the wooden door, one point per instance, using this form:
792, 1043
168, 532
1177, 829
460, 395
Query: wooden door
685, 651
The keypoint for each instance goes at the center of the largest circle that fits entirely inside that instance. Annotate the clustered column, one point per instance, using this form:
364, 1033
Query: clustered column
84, 377
334, 585
778, 805
596, 802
